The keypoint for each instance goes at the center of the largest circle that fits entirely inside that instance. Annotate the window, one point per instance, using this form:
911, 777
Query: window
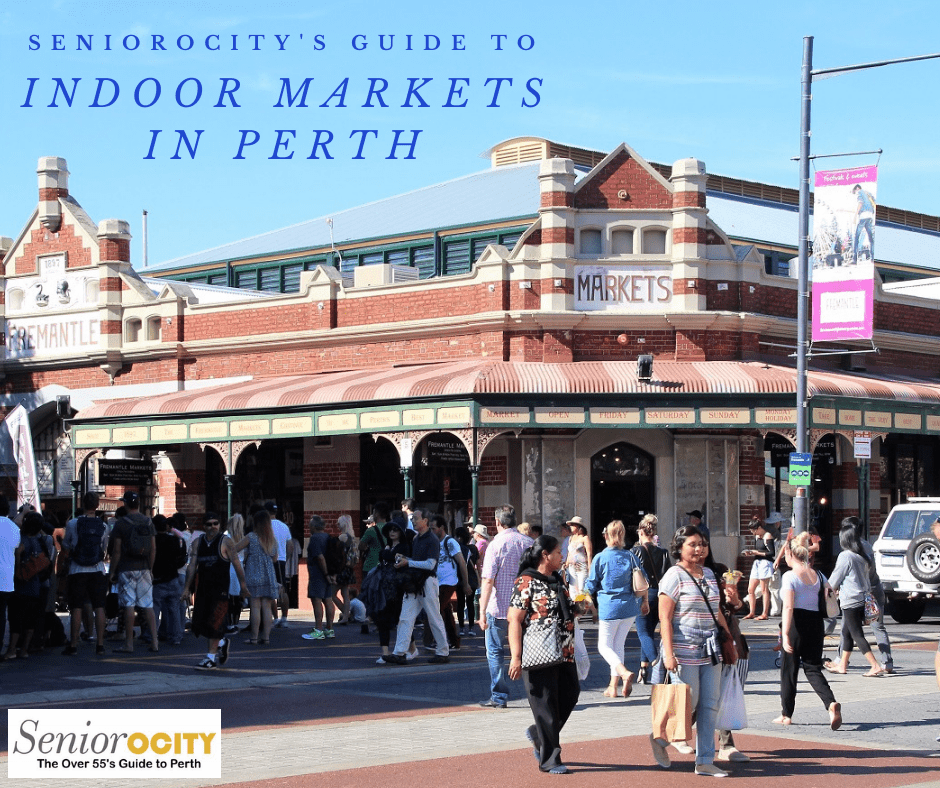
270, 280
621, 241
456, 257
91, 291
292, 278
424, 261
590, 242
247, 280
372, 258
132, 330
654, 241
218, 279
15, 299
154, 325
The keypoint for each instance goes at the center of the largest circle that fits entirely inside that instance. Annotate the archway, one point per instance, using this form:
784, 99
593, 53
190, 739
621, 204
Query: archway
622, 488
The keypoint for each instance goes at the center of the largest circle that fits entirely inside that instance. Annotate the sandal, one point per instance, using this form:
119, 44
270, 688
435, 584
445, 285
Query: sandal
628, 684
829, 666
252, 642
262, 642
874, 674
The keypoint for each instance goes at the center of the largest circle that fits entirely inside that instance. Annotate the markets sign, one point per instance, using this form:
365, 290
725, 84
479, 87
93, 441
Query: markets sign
622, 288
440, 451
125, 473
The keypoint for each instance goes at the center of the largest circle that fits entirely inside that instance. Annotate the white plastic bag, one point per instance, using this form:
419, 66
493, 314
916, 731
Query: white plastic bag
581, 657
732, 714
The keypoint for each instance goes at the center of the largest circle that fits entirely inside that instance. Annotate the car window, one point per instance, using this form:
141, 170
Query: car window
925, 520
908, 523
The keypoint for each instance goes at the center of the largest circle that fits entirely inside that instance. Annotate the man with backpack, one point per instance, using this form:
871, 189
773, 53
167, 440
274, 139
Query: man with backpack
134, 549
84, 546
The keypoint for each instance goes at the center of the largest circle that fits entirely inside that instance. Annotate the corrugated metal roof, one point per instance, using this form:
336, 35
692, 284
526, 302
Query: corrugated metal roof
491, 195
458, 379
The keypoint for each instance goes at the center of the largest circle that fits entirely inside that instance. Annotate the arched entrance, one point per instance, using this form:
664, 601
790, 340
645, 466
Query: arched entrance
622, 488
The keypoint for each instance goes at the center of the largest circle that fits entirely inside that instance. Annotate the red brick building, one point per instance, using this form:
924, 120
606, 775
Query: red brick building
476, 340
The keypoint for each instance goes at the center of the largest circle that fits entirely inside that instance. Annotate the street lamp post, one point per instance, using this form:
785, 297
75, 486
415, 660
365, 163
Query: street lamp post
800, 503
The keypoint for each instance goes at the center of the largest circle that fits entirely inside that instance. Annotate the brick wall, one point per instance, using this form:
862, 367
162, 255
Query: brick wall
493, 473
331, 476
623, 173
42, 242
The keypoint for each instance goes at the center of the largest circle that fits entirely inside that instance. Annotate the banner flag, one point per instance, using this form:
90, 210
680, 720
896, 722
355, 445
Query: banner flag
844, 254
27, 483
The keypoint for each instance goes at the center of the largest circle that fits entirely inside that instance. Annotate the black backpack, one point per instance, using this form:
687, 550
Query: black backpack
335, 555
139, 536
88, 551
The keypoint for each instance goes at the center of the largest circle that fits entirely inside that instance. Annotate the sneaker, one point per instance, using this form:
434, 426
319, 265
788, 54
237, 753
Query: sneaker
394, 659
231, 630
315, 634
207, 664
224, 643
439, 659
560, 769
99, 650
409, 656
69, 651
329, 633
682, 748
732, 755
709, 770
659, 752
281, 623
492, 704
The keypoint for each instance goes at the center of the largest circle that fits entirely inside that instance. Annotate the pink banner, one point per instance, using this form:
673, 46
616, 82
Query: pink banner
844, 254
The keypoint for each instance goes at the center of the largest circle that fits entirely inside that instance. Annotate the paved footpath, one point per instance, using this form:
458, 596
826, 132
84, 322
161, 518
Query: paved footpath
348, 722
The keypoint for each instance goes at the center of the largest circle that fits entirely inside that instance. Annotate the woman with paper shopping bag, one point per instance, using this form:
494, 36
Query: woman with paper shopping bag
693, 629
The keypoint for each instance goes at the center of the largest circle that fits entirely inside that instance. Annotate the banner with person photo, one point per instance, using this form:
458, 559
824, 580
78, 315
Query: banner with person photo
844, 253
27, 487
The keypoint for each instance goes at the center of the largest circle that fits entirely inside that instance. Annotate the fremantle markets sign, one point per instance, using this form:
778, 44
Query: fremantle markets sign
622, 288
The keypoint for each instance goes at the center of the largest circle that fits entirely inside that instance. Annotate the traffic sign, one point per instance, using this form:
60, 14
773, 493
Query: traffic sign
801, 469
862, 444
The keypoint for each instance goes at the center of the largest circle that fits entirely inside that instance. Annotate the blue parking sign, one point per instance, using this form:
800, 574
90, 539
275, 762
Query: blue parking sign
801, 469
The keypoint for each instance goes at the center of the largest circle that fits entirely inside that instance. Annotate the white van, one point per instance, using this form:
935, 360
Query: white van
907, 558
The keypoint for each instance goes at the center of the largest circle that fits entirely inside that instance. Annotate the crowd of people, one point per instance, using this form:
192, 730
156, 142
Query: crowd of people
525, 591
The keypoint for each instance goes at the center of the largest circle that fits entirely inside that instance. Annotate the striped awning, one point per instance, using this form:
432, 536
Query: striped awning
470, 379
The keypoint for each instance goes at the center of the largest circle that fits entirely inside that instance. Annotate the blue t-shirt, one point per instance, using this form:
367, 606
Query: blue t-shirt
611, 580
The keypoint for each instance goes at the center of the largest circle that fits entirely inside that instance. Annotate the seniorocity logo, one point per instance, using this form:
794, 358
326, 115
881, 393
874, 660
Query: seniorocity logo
102, 743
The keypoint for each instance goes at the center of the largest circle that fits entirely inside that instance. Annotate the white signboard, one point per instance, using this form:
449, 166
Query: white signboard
36, 337
862, 443
622, 288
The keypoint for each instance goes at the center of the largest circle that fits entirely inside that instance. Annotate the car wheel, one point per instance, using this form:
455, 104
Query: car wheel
906, 611
923, 559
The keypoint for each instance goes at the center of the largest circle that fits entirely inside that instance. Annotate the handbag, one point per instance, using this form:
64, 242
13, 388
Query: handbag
732, 714
640, 583
671, 711
729, 652
828, 601
872, 611
541, 645
35, 564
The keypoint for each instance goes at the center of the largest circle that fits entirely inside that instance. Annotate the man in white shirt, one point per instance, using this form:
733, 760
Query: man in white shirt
9, 541
451, 570
282, 537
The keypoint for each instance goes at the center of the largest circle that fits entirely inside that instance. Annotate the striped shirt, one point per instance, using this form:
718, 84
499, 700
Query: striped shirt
501, 565
691, 622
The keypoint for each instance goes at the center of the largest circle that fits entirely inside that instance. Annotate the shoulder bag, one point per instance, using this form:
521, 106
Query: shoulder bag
729, 652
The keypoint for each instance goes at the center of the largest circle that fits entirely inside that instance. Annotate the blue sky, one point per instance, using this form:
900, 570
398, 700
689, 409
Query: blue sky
716, 81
